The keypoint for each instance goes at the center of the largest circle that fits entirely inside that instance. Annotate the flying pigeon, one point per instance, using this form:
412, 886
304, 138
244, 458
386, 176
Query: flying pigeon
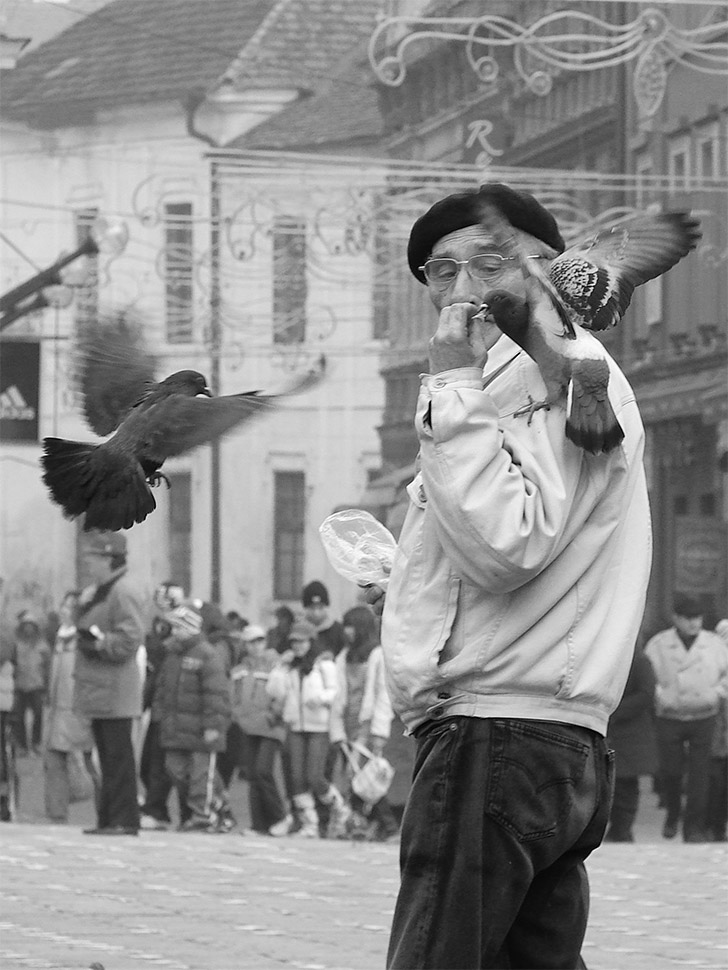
576, 367
594, 278
110, 482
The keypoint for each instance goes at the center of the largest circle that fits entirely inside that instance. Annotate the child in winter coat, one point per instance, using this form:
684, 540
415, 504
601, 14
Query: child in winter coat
263, 733
302, 687
32, 656
192, 705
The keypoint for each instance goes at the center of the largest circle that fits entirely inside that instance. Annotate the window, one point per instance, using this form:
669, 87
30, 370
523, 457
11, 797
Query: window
180, 529
86, 301
289, 512
289, 280
679, 163
178, 271
707, 152
643, 169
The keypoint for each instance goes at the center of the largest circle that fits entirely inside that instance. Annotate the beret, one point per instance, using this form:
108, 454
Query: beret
463, 209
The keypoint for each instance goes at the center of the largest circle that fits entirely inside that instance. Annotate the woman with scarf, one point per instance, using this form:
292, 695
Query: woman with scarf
362, 710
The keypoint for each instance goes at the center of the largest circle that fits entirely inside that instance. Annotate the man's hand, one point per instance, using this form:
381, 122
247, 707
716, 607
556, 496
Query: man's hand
375, 596
459, 341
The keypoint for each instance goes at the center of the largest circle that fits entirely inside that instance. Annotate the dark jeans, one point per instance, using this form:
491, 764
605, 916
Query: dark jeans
678, 742
308, 751
233, 757
117, 804
499, 820
154, 776
266, 804
29, 700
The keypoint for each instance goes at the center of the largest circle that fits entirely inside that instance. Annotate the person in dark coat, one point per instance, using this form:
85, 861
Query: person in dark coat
111, 624
631, 733
192, 705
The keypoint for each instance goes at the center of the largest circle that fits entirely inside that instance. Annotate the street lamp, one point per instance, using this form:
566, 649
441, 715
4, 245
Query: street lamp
103, 237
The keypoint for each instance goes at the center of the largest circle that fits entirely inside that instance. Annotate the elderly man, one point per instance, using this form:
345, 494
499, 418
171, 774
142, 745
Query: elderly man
111, 626
510, 619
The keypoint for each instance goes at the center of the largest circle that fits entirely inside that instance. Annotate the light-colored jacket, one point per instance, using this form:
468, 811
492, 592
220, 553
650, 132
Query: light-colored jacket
520, 577
109, 682
304, 702
690, 683
376, 706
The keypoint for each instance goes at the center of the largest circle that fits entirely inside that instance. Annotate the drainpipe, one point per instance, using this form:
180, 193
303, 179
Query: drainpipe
192, 104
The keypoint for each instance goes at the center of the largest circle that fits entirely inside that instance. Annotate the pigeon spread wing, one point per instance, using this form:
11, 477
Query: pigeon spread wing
597, 275
178, 424
114, 370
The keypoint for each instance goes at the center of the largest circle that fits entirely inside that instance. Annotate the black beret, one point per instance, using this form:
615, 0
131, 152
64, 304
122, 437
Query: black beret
463, 209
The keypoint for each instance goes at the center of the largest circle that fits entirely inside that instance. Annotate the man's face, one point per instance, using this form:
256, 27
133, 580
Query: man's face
98, 566
465, 288
316, 613
689, 626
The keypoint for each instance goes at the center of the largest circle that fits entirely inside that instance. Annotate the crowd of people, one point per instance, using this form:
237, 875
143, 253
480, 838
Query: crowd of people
138, 705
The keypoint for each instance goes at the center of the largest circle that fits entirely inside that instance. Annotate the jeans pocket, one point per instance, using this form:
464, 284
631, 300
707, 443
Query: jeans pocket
532, 777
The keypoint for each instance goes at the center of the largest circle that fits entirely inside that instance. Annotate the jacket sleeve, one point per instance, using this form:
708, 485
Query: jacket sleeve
380, 713
328, 686
216, 704
502, 501
277, 685
127, 625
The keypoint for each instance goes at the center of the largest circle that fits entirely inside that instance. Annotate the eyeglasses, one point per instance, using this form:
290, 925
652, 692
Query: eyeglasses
483, 266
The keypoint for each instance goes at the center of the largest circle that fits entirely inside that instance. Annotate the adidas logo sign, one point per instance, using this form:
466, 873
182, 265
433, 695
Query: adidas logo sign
13, 406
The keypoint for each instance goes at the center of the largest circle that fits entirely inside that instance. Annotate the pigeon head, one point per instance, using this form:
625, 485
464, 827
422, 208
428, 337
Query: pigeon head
510, 313
187, 382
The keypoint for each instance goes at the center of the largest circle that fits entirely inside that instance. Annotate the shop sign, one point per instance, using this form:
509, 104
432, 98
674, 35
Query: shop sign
19, 390
700, 555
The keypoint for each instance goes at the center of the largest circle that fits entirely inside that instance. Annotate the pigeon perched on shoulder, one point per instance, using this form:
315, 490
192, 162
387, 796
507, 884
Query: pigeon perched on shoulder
590, 286
577, 368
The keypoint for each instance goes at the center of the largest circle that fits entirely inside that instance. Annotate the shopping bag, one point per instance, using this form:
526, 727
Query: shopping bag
372, 774
80, 782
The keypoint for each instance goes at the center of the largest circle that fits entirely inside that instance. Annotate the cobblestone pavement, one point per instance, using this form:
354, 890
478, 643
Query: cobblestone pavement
201, 902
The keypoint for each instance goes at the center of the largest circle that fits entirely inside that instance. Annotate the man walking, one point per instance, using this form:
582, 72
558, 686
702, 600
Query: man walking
691, 669
108, 682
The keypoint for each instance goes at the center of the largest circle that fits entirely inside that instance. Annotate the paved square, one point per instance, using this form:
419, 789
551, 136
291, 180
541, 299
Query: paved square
201, 902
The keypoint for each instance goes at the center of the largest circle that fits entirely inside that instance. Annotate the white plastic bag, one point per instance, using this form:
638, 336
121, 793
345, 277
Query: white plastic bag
359, 547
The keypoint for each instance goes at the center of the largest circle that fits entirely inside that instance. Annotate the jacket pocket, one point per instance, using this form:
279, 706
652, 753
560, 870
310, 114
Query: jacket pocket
533, 774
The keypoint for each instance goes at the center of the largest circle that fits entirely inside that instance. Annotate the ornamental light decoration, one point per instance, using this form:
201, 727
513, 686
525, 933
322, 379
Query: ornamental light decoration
565, 40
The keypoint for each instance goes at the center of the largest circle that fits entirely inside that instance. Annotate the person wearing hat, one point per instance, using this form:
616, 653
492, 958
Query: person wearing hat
263, 733
691, 670
510, 617
111, 626
317, 610
192, 705
302, 687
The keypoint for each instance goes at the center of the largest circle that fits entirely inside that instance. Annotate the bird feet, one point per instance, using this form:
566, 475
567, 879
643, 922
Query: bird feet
531, 408
156, 478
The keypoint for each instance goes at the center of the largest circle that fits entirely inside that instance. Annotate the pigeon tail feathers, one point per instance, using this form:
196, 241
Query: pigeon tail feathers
591, 423
91, 479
